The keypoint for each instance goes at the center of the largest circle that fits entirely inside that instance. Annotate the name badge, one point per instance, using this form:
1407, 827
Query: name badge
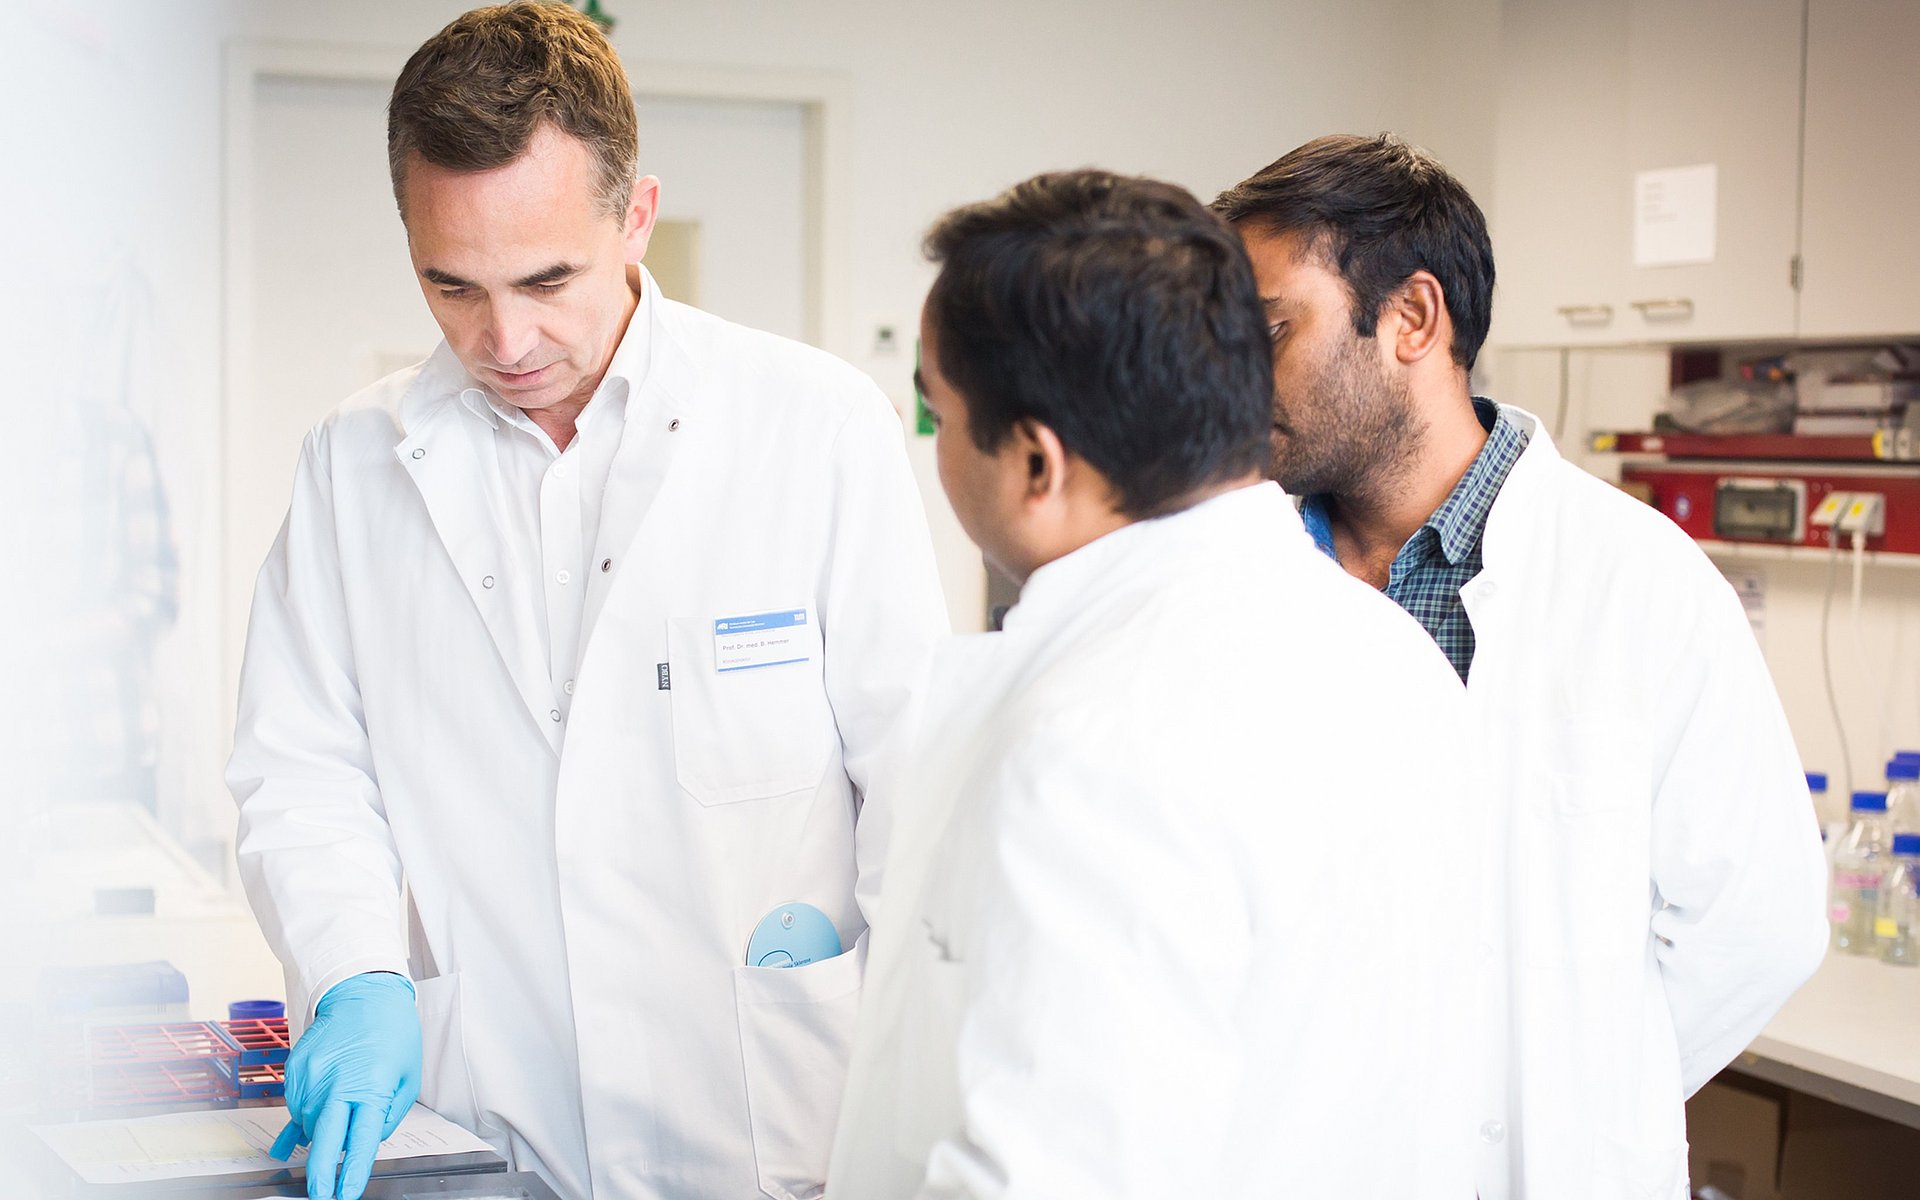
771, 639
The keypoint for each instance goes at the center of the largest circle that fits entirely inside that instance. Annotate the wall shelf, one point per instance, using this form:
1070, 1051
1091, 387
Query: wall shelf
1765, 447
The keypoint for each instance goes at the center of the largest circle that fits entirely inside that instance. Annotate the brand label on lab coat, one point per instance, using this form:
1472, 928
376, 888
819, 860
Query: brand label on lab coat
771, 639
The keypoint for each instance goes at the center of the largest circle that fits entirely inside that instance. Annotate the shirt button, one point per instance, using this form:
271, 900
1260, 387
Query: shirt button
568, 685
563, 576
1492, 1133
560, 470
555, 714
486, 581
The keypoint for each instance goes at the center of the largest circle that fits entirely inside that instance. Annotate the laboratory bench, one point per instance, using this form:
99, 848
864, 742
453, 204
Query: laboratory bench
1825, 1103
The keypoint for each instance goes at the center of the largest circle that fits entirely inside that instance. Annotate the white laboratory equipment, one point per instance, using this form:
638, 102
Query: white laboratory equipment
1896, 927
1903, 794
1859, 865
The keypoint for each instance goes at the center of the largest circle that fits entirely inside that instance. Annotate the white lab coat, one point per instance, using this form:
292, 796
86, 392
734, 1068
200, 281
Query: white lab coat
581, 917
1182, 905
1663, 883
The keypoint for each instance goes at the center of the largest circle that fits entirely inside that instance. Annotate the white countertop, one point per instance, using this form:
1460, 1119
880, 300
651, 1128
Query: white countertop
1852, 1035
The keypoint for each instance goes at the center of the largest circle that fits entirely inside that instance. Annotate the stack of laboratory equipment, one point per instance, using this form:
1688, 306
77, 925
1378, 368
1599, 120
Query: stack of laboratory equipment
1896, 928
1859, 864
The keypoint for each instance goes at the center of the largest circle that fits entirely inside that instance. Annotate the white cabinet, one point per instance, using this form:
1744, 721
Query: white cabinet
1861, 228
1595, 91
1560, 205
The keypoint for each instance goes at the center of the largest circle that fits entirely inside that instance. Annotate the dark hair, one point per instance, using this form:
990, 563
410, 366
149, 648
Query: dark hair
471, 97
1119, 313
1380, 210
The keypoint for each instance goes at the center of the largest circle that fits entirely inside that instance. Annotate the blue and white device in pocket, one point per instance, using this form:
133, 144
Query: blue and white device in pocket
792, 935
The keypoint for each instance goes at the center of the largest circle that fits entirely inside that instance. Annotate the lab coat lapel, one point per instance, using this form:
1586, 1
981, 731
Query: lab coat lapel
659, 420
441, 454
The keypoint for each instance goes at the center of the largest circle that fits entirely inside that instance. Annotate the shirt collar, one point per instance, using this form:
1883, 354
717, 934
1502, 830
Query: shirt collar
626, 370
1462, 517
1059, 587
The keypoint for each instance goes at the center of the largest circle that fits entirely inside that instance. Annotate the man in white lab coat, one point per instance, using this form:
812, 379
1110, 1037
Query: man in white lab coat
1182, 903
1656, 881
583, 636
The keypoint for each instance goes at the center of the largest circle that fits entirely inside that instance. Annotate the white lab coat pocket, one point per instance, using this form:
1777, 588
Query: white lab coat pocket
1641, 1172
446, 1086
747, 734
796, 1034
1599, 766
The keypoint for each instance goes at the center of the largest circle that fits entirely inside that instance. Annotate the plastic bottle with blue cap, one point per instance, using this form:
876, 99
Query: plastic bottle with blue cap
1828, 812
1896, 927
1903, 793
1859, 866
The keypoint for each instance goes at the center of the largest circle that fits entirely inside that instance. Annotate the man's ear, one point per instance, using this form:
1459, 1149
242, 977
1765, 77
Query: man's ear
1044, 455
643, 208
1419, 321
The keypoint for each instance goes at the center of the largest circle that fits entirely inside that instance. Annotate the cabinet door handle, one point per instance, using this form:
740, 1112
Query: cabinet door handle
1676, 308
1586, 314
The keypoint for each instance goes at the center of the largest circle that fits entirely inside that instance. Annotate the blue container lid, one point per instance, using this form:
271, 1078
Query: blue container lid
1906, 753
1869, 802
256, 1010
1816, 781
1903, 769
1906, 843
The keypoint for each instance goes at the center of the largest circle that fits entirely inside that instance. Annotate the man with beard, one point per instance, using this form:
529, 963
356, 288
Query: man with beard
1656, 881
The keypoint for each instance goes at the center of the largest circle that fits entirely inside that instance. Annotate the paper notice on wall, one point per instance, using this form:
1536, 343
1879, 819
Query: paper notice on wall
1750, 585
1674, 220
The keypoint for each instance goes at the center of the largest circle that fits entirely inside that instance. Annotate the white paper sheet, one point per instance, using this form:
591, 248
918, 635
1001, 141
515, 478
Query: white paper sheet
1675, 215
224, 1141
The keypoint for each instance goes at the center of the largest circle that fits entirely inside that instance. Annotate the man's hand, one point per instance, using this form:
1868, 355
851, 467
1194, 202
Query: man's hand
351, 1077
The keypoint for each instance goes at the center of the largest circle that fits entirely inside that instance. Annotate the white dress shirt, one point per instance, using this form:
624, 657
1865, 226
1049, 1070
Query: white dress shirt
550, 499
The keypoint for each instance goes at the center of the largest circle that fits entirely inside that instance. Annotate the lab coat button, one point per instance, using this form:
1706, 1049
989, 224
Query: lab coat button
487, 581
560, 470
1488, 589
1493, 1133
606, 564
563, 576
555, 714
673, 426
568, 685
419, 452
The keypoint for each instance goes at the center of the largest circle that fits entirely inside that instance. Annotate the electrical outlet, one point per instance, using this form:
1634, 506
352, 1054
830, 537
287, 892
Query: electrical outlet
1866, 513
1832, 507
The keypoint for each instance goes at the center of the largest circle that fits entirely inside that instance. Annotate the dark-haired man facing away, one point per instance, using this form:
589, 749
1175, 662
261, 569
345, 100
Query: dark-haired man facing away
1655, 881
590, 627
1119, 957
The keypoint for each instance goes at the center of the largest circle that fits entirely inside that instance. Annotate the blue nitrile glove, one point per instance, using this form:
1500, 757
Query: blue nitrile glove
351, 1077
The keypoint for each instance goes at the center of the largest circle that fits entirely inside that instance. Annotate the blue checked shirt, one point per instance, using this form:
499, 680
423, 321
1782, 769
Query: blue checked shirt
1443, 554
